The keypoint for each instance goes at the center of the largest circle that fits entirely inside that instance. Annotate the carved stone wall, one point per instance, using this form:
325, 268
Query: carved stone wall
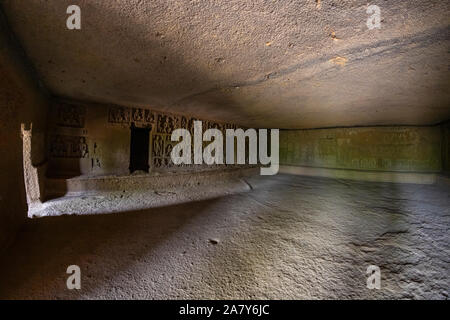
95, 139
67, 138
162, 125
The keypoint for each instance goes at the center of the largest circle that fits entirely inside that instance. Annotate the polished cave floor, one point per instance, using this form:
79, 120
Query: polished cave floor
288, 237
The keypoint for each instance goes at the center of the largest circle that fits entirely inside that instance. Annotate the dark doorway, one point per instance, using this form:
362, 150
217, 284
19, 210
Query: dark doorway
139, 146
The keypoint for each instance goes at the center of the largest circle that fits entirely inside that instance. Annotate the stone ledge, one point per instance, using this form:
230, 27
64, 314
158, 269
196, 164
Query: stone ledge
114, 194
373, 176
58, 187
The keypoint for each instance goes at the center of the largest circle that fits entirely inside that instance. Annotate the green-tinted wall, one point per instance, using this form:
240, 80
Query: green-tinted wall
446, 147
410, 149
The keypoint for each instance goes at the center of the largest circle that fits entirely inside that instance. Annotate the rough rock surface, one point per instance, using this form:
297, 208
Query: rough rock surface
259, 63
290, 237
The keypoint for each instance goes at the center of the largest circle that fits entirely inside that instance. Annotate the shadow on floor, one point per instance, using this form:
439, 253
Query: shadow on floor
102, 245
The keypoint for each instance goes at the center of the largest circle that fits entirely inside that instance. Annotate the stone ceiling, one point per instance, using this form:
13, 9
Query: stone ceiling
259, 63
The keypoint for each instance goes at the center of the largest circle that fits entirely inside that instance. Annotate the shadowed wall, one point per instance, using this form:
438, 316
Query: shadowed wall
20, 103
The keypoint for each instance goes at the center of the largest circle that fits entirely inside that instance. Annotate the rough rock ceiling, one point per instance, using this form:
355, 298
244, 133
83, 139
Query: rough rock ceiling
260, 63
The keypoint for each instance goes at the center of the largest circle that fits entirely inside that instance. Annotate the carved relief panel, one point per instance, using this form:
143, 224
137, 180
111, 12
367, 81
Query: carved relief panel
68, 115
63, 146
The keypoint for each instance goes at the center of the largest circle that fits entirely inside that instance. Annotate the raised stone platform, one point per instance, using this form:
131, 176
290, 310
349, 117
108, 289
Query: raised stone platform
109, 194
144, 181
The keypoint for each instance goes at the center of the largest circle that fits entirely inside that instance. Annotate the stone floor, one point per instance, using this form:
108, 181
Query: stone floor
290, 237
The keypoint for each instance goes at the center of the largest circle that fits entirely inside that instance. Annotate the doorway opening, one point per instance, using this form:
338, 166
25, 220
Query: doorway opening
139, 147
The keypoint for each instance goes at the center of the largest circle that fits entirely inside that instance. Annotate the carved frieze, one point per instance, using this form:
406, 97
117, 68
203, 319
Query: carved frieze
162, 125
119, 114
124, 115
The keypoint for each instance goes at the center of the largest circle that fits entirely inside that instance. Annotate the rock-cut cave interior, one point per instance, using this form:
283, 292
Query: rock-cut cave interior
353, 98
